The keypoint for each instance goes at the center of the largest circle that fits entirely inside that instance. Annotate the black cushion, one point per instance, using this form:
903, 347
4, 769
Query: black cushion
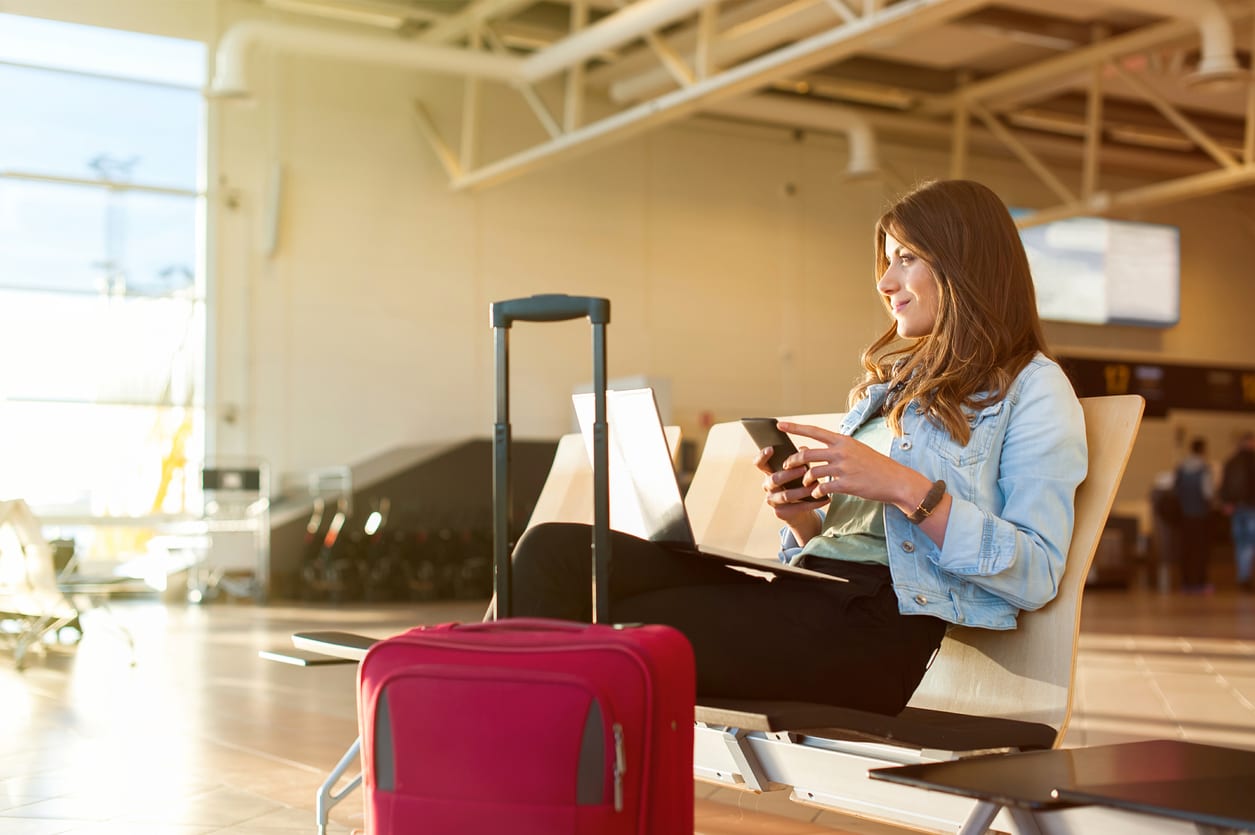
913, 727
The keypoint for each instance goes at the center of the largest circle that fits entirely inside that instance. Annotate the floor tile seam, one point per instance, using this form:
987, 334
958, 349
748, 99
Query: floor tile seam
1158, 690
7, 814
1236, 725
264, 829
1216, 676
1135, 728
245, 749
743, 798
1180, 645
1237, 694
148, 817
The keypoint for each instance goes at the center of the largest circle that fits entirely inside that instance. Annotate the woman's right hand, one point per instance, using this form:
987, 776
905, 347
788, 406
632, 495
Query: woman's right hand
794, 507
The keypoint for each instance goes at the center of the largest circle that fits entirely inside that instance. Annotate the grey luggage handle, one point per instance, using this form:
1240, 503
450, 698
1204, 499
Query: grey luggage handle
553, 307
550, 308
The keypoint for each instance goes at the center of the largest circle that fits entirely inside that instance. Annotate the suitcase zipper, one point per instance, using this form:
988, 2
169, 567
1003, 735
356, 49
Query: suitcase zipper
620, 766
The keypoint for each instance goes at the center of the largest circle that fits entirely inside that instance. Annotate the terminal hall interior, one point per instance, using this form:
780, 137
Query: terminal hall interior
247, 253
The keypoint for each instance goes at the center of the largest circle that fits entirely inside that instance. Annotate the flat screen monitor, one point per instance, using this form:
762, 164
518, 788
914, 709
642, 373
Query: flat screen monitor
1099, 271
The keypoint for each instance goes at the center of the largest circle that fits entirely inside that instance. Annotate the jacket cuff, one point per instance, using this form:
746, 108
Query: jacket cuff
789, 547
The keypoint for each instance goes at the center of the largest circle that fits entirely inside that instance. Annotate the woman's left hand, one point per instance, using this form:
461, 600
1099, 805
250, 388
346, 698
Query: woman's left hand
844, 465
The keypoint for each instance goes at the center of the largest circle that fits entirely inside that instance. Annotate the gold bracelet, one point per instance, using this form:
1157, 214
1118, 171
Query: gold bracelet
926, 507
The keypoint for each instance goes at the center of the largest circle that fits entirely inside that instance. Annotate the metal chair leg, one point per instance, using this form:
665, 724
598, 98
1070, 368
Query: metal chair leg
327, 797
1025, 821
980, 818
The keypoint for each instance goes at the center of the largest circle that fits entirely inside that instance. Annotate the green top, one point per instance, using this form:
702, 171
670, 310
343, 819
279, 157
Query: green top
854, 528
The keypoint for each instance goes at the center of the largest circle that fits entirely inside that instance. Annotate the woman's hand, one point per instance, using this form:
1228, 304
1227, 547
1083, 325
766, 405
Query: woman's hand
844, 465
795, 507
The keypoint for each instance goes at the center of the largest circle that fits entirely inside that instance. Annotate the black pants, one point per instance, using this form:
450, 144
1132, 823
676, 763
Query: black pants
792, 638
1195, 539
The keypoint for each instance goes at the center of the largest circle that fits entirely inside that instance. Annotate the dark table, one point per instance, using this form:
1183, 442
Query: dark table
1212, 787
1223, 803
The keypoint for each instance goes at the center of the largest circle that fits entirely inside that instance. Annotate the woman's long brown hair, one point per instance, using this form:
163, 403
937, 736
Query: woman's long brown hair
987, 327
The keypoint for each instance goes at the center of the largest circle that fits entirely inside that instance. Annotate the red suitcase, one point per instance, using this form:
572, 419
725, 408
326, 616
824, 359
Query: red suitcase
529, 726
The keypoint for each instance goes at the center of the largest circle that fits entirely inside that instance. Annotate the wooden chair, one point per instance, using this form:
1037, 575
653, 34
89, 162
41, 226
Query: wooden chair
986, 690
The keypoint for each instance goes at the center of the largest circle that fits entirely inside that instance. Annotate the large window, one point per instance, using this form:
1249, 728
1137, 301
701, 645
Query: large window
102, 302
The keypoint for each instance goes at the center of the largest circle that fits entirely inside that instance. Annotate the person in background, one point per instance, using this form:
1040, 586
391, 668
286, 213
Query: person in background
1237, 493
1165, 528
1194, 486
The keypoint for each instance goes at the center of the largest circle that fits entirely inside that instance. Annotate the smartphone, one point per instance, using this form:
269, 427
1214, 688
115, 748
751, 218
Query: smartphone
766, 434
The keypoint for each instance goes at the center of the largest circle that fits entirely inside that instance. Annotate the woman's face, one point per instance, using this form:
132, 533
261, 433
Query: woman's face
911, 290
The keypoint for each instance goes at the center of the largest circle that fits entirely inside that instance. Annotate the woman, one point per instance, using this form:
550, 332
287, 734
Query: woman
945, 497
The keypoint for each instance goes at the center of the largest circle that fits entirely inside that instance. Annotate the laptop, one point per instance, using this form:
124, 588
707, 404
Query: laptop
645, 498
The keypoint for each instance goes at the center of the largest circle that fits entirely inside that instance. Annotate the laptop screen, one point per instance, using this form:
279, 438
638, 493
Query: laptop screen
645, 498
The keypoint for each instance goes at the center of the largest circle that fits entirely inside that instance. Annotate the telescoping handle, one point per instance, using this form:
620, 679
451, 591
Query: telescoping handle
553, 307
550, 308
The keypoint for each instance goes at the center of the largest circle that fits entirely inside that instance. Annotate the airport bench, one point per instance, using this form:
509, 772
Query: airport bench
986, 690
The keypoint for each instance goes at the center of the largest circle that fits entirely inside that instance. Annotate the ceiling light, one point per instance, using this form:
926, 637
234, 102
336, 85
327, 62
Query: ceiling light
1216, 76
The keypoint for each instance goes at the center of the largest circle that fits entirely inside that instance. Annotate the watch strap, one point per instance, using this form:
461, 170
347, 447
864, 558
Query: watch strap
926, 507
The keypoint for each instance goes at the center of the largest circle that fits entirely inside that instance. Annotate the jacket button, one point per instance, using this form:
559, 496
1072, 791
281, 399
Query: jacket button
905, 444
921, 599
908, 546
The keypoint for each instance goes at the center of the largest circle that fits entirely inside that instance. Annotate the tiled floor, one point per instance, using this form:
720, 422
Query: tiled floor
202, 736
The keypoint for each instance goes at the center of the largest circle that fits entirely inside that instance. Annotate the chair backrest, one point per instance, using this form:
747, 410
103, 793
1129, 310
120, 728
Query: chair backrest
1025, 673
725, 498
1028, 673
567, 495
28, 579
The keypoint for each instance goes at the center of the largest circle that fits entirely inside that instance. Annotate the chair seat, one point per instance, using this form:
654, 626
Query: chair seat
913, 727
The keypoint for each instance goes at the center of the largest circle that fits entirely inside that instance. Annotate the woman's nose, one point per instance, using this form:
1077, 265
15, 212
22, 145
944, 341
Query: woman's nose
888, 281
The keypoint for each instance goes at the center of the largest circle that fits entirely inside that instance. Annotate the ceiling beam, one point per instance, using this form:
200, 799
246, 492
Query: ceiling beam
1069, 65
899, 20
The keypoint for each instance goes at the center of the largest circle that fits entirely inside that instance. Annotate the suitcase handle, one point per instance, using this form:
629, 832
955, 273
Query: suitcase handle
550, 307
524, 625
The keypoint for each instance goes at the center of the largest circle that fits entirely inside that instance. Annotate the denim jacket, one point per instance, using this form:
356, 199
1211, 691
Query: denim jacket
1013, 485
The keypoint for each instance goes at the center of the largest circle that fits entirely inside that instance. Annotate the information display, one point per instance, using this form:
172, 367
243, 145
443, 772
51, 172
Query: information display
1165, 385
1099, 271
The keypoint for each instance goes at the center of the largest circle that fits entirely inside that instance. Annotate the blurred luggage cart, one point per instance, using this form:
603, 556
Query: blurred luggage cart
237, 520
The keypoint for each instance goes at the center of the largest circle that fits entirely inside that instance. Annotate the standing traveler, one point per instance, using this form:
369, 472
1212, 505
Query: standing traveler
1237, 492
1194, 487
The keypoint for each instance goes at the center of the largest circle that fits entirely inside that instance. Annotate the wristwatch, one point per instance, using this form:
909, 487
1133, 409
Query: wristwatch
926, 507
